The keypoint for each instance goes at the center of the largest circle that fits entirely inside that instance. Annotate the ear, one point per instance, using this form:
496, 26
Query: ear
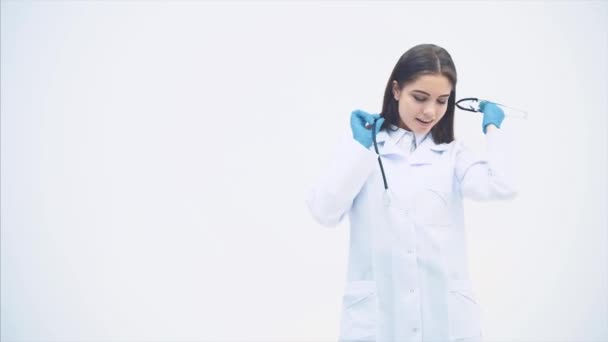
396, 91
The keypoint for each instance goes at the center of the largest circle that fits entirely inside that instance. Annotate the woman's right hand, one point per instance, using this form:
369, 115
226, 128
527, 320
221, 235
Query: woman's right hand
360, 123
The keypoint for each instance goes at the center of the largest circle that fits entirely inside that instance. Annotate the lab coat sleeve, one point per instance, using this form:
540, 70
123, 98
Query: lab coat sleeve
332, 195
491, 178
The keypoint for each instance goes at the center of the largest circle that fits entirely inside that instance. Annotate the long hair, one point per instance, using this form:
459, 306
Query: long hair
421, 60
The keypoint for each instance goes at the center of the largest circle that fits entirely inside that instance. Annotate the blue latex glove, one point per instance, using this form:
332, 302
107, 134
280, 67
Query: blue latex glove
492, 114
359, 120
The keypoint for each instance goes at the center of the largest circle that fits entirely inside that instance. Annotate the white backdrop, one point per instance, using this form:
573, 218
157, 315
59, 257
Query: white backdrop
155, 158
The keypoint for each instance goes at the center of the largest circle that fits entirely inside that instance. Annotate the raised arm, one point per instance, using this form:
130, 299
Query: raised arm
491, 178
332, 195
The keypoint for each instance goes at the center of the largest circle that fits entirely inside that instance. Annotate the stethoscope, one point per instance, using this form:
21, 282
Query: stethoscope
469, 104
378, 153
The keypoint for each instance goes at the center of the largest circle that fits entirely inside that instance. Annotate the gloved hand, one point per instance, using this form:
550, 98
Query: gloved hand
492, 114
360, 123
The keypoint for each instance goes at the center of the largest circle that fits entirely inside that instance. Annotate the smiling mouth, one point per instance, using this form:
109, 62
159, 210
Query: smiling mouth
424, 122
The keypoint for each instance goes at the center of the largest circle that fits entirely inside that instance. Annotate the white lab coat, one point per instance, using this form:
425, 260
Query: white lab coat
408, 277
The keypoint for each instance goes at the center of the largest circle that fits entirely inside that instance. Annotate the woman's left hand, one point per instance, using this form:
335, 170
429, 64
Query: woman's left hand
492, 115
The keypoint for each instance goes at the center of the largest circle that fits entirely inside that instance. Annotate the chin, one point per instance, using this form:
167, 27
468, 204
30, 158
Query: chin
422, 131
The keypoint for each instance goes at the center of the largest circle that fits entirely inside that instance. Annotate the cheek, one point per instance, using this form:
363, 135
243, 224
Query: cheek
408, 109
442, 114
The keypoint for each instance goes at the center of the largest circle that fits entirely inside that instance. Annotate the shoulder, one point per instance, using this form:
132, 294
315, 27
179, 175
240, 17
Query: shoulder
456, 152
448, 148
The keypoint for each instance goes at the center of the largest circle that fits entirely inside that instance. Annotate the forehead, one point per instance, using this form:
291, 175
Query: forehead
432, 84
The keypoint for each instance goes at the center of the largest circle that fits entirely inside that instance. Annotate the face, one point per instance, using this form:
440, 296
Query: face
423, 102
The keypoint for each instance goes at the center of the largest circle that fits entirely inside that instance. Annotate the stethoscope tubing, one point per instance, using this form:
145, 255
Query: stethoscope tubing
378, 153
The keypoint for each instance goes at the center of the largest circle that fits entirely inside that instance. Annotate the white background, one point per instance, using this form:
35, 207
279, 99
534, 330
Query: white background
156, 157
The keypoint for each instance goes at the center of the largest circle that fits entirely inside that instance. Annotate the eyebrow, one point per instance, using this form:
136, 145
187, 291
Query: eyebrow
425, 93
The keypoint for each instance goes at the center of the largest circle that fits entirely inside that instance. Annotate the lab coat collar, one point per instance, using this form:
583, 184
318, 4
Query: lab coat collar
425, 153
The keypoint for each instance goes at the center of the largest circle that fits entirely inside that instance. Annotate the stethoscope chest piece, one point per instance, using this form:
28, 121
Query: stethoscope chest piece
470, 104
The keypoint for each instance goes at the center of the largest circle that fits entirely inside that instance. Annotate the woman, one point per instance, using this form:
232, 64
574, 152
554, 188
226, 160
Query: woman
408, 278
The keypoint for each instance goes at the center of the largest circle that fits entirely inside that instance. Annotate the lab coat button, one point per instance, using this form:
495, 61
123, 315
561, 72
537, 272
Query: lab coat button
412, 290
415, 329
409, 251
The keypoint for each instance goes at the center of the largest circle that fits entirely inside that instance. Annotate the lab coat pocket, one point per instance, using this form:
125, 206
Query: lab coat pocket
358, 321
431, 207
464, 312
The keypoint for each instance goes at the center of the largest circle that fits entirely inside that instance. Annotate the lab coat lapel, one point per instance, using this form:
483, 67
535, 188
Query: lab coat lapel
386, 145
427, 152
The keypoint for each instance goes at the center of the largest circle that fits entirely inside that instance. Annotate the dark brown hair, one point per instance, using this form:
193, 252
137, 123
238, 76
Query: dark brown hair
423, 59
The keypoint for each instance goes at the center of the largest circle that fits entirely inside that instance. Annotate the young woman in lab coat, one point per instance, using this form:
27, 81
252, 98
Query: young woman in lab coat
408, 277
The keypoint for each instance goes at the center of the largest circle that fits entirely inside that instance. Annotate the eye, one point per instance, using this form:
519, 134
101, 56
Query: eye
442, 102
419, 99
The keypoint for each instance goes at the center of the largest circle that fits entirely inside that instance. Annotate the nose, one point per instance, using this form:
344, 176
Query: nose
429, 110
